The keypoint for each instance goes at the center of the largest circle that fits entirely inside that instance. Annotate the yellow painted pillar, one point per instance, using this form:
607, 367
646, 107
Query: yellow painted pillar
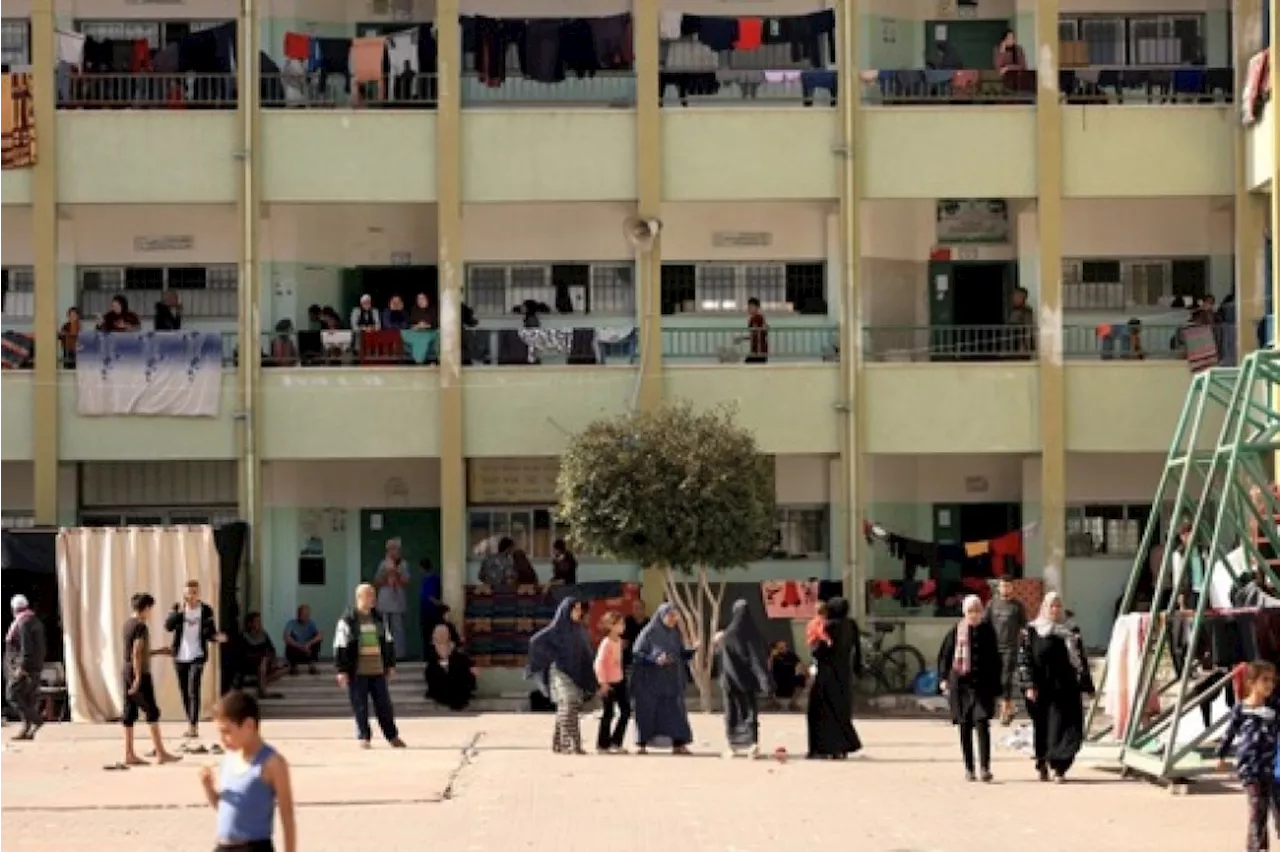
644, 16
44, 215
1274, 191
853, 413
249, 368
648, 198
453, 468
1053, 456
1250, 210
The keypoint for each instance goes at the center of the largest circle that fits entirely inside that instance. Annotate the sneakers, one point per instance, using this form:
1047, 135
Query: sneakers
398, 743
969, 776
987, 777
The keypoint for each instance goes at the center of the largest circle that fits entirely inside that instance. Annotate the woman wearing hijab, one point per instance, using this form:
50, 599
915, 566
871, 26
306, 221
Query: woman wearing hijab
658, 682
450, 680
1054, 673
561, 661
743, 676
838, 659
969, 674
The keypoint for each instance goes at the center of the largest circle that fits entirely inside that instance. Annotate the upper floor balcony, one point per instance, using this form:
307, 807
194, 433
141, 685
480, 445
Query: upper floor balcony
747, 112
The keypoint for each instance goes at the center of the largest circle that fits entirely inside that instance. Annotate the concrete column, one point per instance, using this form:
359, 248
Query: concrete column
1250, 209
1273, 195
249, 369
44, 214
644, 18
453, 467
852, 413
1053, 456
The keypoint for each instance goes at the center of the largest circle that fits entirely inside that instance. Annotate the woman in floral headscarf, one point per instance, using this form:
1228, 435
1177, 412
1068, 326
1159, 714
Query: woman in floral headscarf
1055, 674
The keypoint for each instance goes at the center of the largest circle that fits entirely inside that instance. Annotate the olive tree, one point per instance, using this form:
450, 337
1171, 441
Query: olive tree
683, 490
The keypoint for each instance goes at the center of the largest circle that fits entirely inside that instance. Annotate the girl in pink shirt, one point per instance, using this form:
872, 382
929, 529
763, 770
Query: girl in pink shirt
613, 685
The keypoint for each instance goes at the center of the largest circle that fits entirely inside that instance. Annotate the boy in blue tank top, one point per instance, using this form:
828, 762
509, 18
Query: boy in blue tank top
252, 783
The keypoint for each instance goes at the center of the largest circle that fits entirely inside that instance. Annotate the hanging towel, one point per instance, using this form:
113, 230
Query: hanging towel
17, 123
750, 34
71, 48
669, 24
141, 60
1006, 546
402, 48
976, 548
297, 46
367, 55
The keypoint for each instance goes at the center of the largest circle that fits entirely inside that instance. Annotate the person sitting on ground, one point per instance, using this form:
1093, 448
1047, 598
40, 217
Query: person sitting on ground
259, 654
497, 568
526, 574
450, 679
787, 671
302, 641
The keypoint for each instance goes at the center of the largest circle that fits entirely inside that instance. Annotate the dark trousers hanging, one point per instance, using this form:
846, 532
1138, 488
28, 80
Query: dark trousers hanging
983, 730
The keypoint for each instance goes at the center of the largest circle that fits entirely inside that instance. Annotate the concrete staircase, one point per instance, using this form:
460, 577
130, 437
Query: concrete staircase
307, 696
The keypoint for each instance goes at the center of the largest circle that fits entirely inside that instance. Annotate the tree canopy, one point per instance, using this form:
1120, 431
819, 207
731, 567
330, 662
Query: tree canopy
674, 487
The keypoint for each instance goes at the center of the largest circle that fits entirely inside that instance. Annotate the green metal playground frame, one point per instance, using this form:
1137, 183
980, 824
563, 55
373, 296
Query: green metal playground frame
1211, 480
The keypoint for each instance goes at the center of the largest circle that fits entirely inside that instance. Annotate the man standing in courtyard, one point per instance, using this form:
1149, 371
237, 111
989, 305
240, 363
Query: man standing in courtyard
364, 653
24, 650
194, 629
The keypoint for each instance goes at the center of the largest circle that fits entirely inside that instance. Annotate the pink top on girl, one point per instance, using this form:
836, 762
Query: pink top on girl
609, 661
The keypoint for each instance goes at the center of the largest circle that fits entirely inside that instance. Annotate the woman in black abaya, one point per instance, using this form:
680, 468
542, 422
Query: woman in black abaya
970, 674
741, 660
838, 658
1055, 674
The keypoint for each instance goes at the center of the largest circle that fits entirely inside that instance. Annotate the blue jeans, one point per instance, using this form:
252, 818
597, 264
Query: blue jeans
360, 689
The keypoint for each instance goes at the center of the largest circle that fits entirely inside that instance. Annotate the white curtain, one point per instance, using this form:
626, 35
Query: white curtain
99, 570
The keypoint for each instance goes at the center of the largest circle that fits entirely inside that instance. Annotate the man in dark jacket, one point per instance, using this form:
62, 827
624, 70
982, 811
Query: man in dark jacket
24, 651
193, 626
364, 653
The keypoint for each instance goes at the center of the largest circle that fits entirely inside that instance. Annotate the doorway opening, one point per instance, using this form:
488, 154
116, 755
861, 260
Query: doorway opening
959, 523
970, 313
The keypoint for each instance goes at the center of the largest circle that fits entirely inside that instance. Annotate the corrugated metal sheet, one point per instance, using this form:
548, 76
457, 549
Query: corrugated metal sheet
120, 485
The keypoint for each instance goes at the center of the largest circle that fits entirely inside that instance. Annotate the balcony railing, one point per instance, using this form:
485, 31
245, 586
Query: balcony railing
147, 91
604, 89
735, 345
1141, 342
902, 87
749, 88
950, 343
323, 91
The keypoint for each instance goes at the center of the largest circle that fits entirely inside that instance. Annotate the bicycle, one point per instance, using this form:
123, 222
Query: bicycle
893, 670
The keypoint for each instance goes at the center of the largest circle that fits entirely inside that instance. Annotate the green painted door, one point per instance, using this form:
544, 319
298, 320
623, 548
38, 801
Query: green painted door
419, 534
942, 310
974, 42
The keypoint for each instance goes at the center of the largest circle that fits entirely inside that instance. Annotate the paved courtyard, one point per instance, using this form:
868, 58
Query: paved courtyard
488, 783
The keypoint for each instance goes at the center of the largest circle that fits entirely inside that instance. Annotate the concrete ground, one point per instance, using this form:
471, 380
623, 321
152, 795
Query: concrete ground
488, 783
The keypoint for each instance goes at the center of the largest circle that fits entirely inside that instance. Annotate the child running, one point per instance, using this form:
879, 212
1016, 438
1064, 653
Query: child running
1256, 721
253, 782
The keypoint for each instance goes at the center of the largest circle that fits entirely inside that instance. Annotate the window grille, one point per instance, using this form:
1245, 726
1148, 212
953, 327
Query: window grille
19, 293
1120, 284
599, 289
714, 288
800, 533
532, 528
206, 292
15, 40
1106, 530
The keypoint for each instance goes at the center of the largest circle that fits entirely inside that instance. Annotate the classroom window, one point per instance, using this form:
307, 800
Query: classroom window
206, 292
532, 528
1125, 283
19, 293
801, 532
1106, 530
598, 289
724, 288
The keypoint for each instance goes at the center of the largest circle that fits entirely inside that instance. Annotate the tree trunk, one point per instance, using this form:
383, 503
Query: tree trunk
699, 606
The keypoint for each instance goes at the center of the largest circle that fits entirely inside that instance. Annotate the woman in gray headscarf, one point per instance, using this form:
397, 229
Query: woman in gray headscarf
1055, 674
741, 659
659, 680
561, 662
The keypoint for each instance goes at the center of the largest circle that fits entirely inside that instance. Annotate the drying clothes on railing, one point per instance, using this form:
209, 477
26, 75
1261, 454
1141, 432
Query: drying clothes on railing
547, 50
17, 123
71, 48
1257, 87
546, 340
1124, 660
422, 344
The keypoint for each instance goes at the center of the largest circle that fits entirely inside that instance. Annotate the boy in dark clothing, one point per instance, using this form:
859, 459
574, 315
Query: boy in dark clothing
24, 651
139, 689
1255, 720
364, 653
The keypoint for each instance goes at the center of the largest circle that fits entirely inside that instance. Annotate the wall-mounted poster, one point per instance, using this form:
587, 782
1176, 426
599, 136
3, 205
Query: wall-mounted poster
972, 220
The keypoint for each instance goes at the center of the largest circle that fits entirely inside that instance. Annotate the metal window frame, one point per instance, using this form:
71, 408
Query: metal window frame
1126, 46
154, 516
16, 26
1073, 278
22, 279
742, 289
594, 268
582, 556
782, 514
1161, 20
1076, 512
212, 271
